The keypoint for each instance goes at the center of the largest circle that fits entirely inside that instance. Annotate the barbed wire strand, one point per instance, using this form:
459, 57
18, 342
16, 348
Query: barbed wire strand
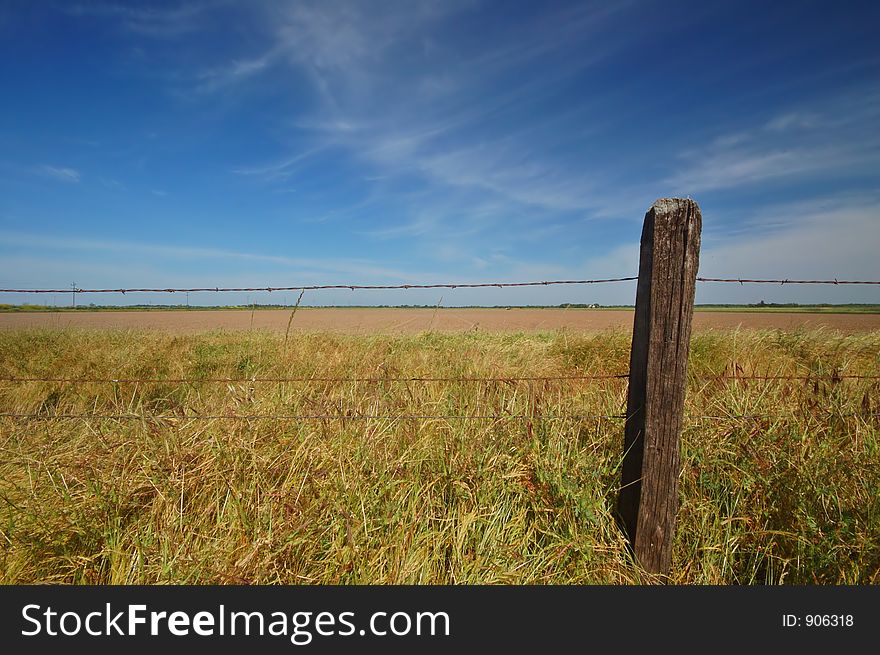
443, 285
809, 378
783, 281
305, 417
359, 380
393, 417
313, 379
720, 417
319, 287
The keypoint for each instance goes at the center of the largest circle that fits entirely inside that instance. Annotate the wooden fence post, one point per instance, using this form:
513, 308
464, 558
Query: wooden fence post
668, 263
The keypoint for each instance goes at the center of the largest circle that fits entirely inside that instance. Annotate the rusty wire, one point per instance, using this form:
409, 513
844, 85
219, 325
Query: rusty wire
808, 378
317, 287
784, 281
444, 285
278, 380
721, 417
373, 380
318, 417
389, 417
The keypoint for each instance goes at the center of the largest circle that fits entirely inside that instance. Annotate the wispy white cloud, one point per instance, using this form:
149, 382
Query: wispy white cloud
355, 267
60, 173
412, 228
161, 22
514, 173
405, 120
726, 168
794, 120
236, 71
110, 183
282, 169
830, 137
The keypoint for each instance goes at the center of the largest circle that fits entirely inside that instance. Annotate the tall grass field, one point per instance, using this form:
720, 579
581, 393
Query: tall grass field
780, 479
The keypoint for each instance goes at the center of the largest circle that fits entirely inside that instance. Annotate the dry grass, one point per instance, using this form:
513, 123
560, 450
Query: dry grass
790, 499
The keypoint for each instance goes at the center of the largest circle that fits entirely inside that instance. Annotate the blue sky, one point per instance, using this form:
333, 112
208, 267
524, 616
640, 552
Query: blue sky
293, 143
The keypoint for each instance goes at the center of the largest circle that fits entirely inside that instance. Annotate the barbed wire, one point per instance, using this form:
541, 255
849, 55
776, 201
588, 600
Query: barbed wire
784, 281
374, 380
827, 378
307, 417
395, 417
319, 287
276, 380
721, 417
439, 285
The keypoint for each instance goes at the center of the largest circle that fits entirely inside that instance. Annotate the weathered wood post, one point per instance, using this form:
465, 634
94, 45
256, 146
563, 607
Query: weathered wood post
668, 263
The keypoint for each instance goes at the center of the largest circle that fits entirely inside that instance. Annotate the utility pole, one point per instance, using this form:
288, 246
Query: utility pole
73, 293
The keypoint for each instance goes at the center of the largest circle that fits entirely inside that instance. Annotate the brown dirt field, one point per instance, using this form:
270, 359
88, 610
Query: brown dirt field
385, 320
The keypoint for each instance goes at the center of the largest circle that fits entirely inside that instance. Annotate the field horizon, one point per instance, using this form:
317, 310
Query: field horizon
387, 320
841, 308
